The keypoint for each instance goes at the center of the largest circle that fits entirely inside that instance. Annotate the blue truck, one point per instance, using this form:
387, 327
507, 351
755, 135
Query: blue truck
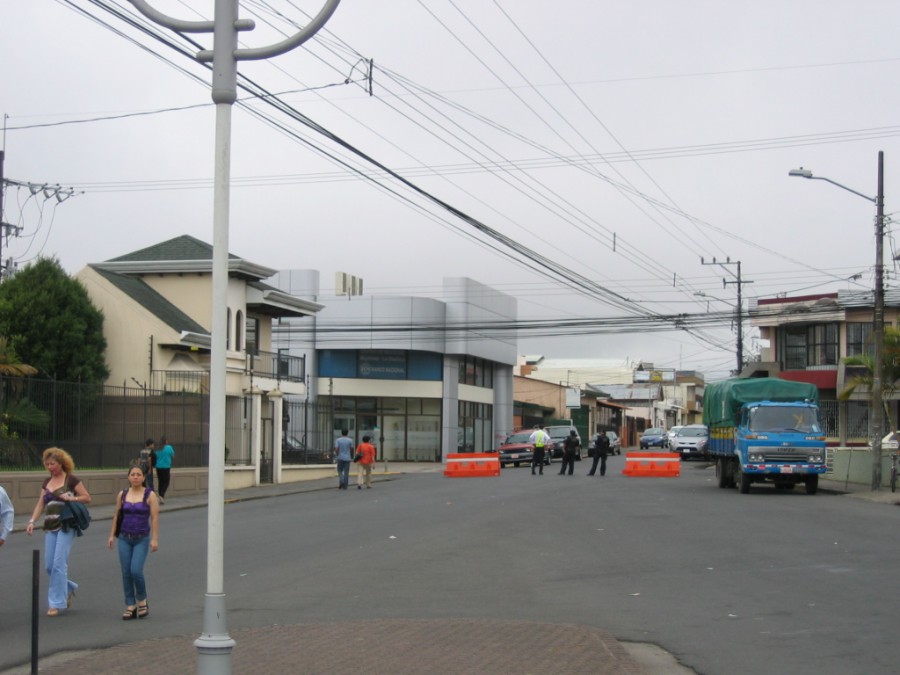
765, 430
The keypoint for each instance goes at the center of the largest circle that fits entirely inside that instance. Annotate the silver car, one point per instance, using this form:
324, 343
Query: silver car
672, 433
691, 441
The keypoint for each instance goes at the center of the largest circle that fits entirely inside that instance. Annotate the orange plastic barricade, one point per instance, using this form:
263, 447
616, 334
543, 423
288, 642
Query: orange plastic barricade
472, 465
652, 464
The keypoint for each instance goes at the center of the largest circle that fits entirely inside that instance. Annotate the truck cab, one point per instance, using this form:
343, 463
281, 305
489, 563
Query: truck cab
776, 442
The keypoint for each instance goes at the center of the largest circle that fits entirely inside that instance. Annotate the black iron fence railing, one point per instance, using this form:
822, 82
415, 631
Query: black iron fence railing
277, 365
105, 426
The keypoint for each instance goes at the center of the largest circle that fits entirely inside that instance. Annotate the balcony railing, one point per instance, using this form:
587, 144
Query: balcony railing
278, 366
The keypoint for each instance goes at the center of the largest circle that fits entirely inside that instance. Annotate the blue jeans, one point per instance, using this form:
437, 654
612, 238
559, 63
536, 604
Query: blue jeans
343, 468
56, 561
132, 556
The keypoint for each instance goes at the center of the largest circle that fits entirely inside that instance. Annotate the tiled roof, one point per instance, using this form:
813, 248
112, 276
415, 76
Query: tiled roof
153, 302
184, 247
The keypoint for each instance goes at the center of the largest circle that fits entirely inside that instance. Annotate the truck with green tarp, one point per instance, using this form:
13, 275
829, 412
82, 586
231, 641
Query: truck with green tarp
765, 430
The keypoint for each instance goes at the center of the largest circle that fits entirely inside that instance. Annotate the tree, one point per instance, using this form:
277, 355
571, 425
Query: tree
50, 323
890, 369
16, 412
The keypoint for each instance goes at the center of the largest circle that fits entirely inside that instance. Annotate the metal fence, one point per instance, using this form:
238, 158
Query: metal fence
100, 426
105, 426
857, 419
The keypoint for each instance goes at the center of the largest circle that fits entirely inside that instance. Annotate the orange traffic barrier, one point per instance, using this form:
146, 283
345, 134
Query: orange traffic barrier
652, 464
472, 465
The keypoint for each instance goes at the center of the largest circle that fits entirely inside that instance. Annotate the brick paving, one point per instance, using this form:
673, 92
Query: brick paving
395, 646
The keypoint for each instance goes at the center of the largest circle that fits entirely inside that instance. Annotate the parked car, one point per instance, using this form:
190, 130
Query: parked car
558, 434
516, 449
692, 441
654, 437
671, 433
615, 443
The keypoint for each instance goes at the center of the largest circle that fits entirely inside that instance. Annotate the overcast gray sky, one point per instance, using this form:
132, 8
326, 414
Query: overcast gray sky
624, 140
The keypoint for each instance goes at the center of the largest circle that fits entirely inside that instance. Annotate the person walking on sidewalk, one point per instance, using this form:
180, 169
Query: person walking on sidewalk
147, 460
570, 449
7, 516
343, 452
539, 439
601, 450
366, 453
164, 459
62, 486
136, 527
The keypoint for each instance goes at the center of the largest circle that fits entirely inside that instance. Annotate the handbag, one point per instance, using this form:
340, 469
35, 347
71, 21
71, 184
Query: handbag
53, 516
357, 457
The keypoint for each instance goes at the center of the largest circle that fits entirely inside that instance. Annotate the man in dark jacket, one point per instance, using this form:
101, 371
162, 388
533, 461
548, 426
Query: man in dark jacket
601, 450
570, 449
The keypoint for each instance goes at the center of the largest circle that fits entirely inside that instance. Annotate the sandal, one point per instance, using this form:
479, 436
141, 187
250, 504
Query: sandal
130, 613
53, 612
69, 599
143, 610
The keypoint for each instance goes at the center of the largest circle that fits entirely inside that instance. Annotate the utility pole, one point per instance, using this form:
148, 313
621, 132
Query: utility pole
214, 646
61, 194
739, 312
878, 330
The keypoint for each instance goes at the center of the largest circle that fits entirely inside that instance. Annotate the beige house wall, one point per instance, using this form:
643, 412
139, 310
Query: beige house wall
541, 393
128, 329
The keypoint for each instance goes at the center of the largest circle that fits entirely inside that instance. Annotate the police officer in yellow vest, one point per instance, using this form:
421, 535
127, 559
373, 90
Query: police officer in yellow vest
539, 439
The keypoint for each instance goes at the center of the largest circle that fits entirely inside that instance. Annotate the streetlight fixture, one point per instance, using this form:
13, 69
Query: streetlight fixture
878, 316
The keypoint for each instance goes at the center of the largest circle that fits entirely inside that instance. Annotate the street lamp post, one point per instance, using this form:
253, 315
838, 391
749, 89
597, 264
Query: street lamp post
878, 313
214, 645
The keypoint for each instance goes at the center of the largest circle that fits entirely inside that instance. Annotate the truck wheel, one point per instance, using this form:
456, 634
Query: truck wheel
741, 479
721, 473
812, 484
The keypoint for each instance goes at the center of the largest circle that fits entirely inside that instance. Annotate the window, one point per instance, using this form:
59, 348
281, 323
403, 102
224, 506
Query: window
859, 339
228, 328
238, 330
252, 335
475, 433
806, 346
477, 372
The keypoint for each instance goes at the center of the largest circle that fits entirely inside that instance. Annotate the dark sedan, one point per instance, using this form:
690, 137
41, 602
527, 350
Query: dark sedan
654, 438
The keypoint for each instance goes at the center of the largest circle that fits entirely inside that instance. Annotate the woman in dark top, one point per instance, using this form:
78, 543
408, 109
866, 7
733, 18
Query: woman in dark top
136, 526
61, 486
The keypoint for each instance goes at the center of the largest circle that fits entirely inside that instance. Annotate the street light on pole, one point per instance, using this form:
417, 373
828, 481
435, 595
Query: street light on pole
878, 314
214, 645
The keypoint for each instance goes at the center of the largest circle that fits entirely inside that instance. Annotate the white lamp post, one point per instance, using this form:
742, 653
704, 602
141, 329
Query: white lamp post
878, 318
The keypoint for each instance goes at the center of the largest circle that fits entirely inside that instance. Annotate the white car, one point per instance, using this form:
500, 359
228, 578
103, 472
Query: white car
691, 441
672, 433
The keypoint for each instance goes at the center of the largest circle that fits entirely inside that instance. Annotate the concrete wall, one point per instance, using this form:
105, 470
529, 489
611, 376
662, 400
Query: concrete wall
854, 466
24, 487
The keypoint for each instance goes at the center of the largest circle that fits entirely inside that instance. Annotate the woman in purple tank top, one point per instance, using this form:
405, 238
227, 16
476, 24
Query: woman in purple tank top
136, 527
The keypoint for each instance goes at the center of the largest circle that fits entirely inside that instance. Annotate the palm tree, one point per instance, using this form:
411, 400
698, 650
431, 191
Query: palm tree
15, 412
10, 364
890, 369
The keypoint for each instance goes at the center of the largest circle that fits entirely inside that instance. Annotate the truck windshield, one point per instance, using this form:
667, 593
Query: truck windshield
784, 419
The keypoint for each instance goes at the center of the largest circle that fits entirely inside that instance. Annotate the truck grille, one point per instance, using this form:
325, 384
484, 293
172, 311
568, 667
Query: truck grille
784, 454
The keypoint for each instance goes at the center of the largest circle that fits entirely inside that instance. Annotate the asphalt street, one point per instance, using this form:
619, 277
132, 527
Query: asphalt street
727, 583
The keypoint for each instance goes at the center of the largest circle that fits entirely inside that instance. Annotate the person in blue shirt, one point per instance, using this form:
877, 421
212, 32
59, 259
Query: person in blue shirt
164, 459
343, 451
7, 515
